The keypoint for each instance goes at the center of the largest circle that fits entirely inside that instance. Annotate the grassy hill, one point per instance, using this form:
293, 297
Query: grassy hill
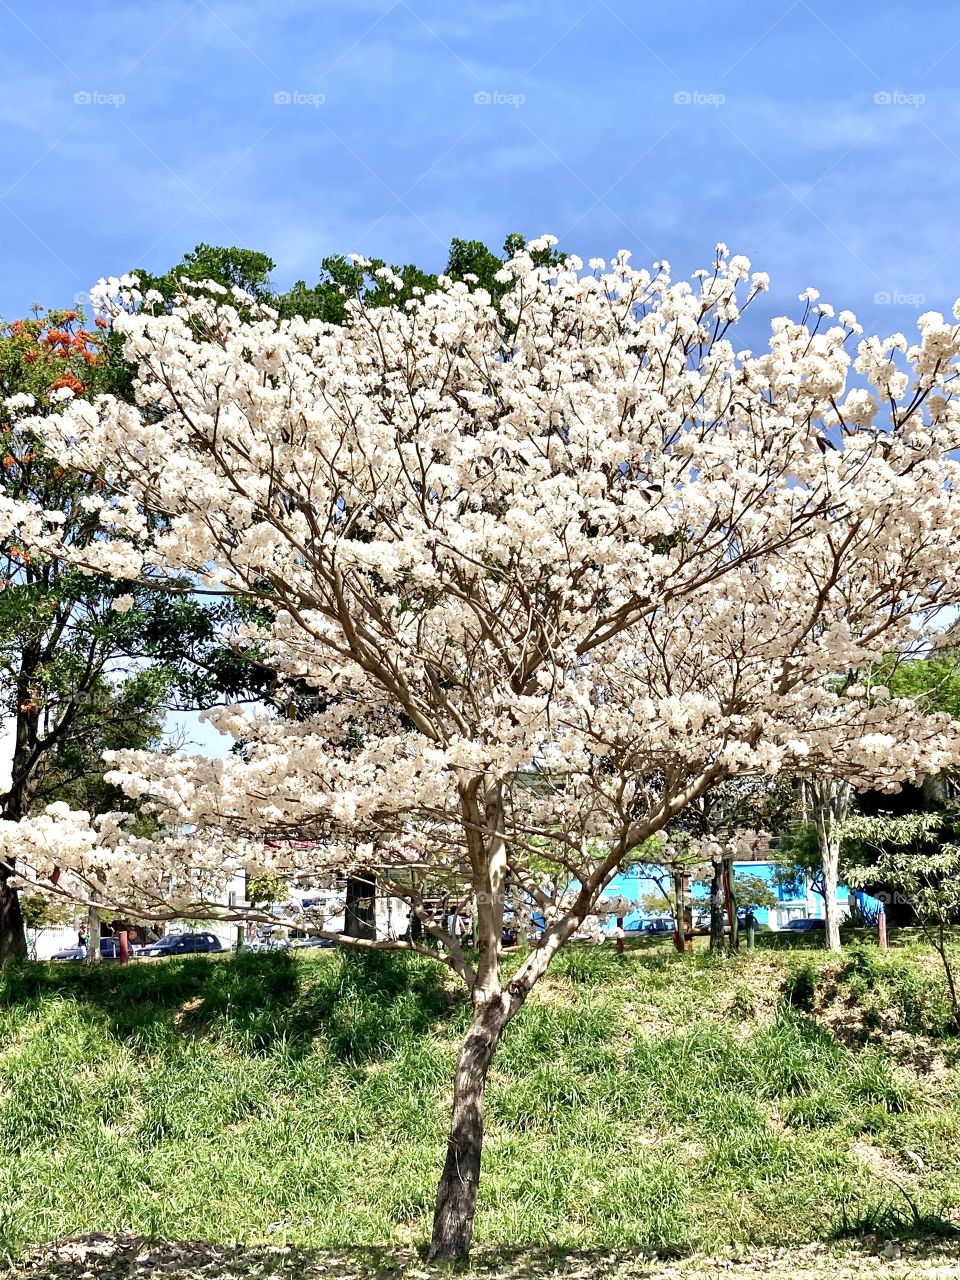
652, 1100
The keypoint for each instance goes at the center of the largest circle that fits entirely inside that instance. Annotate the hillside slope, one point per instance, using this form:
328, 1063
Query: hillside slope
656, 1100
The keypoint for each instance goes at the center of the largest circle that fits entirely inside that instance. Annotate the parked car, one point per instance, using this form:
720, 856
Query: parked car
806, 924
181, 944
299, 943
659, 926
270, 938
109, 950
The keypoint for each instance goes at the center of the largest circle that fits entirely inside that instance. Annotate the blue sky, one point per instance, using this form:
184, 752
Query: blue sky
823, 140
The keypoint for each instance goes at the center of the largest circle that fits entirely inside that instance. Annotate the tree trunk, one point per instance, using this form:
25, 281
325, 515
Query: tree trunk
733, 908
830, 856
93, 935
13, 937
360, 912
26, 769
679, 908
456, 1203
831, 804
940, 946
716, 908
13, 934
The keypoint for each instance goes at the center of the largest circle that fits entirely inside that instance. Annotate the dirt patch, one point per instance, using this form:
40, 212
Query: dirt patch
882, 1165
189, 1017
928, 1063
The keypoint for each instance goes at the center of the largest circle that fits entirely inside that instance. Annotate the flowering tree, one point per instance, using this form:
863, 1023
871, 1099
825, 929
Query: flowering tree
829, 800
86, 661
555, 567
58, 631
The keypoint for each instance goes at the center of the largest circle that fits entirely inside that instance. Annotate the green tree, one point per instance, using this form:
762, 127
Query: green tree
340, 279
73, 647
230, 267
743, 804
905, 857
657, 902
754, 893
55, 623
933, 681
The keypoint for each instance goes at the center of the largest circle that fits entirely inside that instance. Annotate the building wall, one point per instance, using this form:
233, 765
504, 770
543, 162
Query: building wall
43, 943
635, 883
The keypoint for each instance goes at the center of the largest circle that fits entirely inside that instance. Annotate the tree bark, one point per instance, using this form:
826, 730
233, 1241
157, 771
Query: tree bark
733, 908
831, 804
26, 769
456, 1203
717, 908
13, 933
830, 856
679, 907
13, 936
360, 912
93, 935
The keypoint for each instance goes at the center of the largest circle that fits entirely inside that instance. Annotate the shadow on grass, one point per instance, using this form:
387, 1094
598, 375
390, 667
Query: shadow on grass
896, 1217
363, 1005
101, 1257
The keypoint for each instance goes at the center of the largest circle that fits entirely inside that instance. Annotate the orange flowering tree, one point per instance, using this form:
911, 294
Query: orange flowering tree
65, 690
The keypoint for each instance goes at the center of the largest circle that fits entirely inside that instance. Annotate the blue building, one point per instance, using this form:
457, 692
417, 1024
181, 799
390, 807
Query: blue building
795, 900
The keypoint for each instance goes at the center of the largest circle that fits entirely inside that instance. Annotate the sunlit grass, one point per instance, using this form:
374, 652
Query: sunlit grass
653, 1099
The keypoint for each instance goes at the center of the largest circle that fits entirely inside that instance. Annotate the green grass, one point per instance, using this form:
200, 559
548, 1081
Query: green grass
657, 1100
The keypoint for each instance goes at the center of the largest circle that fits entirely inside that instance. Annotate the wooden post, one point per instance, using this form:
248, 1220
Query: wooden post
882, 928
124, 946
751, 929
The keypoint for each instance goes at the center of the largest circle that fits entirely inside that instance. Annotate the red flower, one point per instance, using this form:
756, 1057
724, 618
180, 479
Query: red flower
68, 380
